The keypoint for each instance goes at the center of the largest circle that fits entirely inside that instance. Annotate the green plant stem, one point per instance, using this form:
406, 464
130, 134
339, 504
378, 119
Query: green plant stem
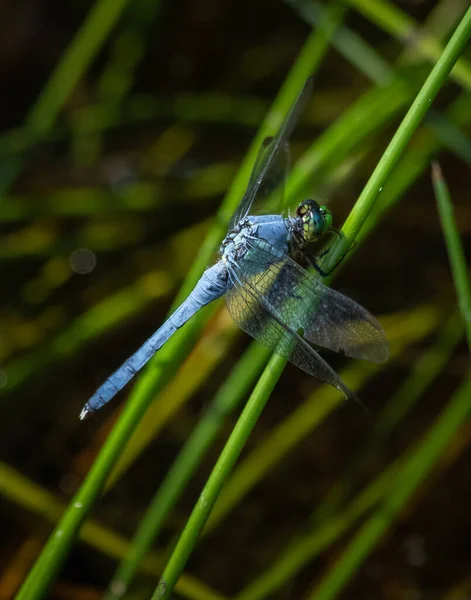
224, 466
57, 547
424, 372
220, 473
351, 45
335, 515
21, 491
353, 225
404, 29
408, 480
454, 247
401, 138
305, 547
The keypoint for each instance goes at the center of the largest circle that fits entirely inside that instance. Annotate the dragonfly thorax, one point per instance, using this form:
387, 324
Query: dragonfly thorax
234, 245
273, 229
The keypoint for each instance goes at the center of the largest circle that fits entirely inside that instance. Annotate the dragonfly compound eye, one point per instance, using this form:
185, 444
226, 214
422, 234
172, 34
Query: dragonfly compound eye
316, 220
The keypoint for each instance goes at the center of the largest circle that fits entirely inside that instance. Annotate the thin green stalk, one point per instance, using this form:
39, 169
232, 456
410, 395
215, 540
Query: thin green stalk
408, 480
220, 473
31, 497
454, 247
404, 29
58, 545
418, 157
424, 372
56, 549
165, 362
305, 547
128, 48
401, 138
117, 76
349, 44
296, 556
230, 395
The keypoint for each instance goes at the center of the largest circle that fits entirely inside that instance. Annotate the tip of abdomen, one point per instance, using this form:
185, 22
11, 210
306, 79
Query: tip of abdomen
86, 412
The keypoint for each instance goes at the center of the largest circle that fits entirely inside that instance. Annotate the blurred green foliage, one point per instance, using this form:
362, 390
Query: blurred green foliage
124, 125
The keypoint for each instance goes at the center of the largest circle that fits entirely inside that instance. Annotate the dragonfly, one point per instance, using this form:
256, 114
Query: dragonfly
268, 293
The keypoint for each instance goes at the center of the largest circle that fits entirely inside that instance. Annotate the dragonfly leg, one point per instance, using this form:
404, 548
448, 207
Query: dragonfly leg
324, 253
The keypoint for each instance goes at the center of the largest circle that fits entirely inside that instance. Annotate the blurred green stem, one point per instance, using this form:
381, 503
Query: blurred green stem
454, 247
408, 480
17, 489
403, 28
75, 61
335, 515
424, 371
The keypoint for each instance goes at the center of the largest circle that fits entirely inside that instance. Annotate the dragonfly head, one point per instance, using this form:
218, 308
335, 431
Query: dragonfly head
316, 220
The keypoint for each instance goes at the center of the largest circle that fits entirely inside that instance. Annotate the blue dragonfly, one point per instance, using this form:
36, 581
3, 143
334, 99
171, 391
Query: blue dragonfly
268, 294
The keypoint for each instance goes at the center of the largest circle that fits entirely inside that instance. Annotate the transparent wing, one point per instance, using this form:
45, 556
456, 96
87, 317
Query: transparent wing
270, 157
252, 313
326, 317
269, 198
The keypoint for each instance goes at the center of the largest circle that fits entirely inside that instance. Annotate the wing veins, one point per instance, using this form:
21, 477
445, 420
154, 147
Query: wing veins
323, 371
338, 324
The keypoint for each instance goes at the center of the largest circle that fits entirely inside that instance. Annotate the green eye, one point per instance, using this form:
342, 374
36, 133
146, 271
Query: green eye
315, 220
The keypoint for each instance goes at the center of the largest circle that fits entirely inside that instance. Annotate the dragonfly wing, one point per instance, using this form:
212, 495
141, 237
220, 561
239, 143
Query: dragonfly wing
326, 317
253, 314
271, 160
270, 193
